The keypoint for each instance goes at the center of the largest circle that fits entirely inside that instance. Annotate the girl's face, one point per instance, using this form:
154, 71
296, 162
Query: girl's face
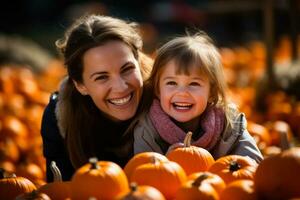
112, 78
183, 97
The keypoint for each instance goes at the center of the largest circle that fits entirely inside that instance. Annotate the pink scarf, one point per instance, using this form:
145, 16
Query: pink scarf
212, 125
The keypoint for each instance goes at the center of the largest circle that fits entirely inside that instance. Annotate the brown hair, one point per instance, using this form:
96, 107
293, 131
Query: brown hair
78, 111
196, 50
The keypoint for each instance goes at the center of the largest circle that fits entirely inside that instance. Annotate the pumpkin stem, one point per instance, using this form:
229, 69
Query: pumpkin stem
2, 173
55, 171
187, 139
199, 180
93, 161
133, 186
234, 166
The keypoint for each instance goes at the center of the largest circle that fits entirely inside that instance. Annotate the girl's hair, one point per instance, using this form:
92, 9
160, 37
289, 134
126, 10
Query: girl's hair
189, 51
78, 112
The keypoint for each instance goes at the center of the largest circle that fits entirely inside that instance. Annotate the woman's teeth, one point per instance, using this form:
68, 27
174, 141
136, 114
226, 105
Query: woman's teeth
120, 101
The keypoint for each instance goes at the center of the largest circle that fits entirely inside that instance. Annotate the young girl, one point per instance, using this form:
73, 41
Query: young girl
189, 90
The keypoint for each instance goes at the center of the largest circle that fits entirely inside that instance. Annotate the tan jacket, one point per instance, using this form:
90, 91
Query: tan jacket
236, 140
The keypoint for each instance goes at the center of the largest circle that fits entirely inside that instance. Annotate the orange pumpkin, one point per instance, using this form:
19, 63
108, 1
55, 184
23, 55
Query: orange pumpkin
260, 134
99, 179
234, 167
58, 189
191, 158
277, 177
34, 195
197, 189
142, 192
139, 159
12, 186
213, 179
166, 176
30, 170
239, 189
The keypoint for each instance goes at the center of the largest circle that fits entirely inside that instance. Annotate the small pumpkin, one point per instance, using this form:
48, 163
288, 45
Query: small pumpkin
234, 167
213, 179
196, 189
139, 159
142, 192
277, 177
58, 190
191, 158
99, 179
11, 186
166, 176
239, 189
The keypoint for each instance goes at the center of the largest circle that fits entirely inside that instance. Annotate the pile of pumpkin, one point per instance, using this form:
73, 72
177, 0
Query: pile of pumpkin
184, 173
23, 97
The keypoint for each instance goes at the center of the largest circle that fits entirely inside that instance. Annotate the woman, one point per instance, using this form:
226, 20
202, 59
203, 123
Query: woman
97, 102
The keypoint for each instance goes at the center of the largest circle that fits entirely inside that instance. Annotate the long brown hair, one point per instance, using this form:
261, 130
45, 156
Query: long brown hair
77, 112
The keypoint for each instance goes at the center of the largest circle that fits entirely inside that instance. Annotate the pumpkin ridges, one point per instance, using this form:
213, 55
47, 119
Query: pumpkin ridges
239, 189
213, 179
223, 168
109, 177
200, 158
12, 186
196, 189
166, 176
142, 192
139, 159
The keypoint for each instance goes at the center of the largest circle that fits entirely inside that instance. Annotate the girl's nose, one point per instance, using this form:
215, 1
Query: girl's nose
183, 91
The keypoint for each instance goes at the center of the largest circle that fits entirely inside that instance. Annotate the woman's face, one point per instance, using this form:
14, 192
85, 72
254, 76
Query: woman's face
112, 78
183, 97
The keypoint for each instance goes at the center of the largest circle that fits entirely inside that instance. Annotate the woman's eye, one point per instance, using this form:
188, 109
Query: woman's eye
128, 69
171, 83
103, 77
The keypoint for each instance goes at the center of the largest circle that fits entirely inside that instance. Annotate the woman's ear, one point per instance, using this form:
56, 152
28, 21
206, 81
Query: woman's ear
80, 88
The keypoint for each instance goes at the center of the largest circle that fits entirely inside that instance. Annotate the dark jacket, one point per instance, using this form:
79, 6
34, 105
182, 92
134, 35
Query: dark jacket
110, 142
53, 143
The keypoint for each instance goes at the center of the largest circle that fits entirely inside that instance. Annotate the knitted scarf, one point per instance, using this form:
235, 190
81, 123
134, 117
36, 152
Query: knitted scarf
212, 124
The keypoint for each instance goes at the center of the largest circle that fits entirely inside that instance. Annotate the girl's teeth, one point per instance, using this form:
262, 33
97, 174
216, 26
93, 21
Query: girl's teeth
182, 106
120, 101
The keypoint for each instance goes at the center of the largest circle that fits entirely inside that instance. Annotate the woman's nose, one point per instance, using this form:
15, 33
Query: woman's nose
119, 84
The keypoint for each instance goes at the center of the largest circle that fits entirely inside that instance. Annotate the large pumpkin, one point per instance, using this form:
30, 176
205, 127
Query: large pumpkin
12, 186
234, 167
191, 158
58, 189
139, 159
239, 190
166, 176
278, 177
99, 179
198, 188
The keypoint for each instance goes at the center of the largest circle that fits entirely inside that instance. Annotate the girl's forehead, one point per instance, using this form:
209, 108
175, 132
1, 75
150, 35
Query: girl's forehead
179, 67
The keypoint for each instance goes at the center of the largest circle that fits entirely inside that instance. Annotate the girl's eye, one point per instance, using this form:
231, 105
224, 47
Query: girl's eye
171, 83
194, 84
